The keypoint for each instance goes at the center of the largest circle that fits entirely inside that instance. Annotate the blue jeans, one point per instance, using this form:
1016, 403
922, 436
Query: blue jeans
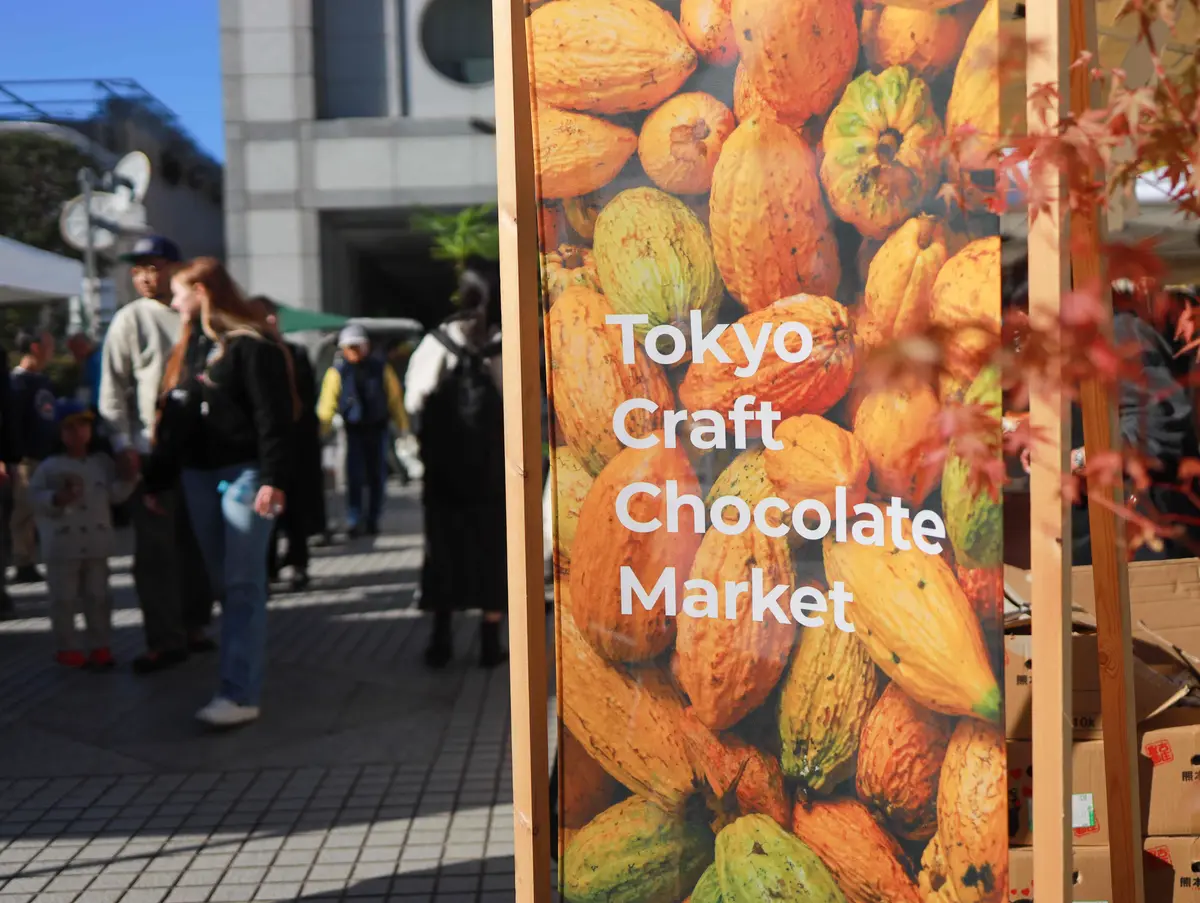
366, 470
234, 541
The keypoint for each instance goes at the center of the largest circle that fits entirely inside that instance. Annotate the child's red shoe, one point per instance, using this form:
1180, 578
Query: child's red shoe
101, 660
71, 659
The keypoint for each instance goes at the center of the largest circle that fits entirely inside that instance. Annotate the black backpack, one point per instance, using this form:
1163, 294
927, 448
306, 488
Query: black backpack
462, 425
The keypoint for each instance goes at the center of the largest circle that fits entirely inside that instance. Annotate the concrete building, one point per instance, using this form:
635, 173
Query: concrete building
342, 117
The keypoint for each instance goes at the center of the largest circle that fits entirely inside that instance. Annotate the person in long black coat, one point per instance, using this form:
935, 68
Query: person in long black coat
305, 512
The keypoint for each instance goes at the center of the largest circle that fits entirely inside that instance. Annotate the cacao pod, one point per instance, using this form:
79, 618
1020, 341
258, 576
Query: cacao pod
973, 813
571, 482
727, 666
708, 888
681, 142
568, 266
817, 457
974, 105
916, 623
926, 41
896, 427
811, 386
880, 160
984, 588
932, 880
800, 54
742, 777
655, 257
974, 517
901, 276
870, 867
577, 153
770, 229
966, 303
552, 226
899, 762
604, 547
758, 860
708, 25
632, 729
829, 689
748, 102
636, 853
746, 478
582, 212
587, 379
607, 56
587, 789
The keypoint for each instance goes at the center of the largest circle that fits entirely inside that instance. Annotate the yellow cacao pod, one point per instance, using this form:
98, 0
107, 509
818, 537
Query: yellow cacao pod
973, 813
577, 153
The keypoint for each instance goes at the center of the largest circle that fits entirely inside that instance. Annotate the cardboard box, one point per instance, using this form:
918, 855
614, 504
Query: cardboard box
1089, 799
1172, 867
1153, 692
1174, 793
1093, 883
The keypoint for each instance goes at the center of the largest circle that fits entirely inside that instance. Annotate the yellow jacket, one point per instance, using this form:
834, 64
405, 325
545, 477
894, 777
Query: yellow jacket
331, 392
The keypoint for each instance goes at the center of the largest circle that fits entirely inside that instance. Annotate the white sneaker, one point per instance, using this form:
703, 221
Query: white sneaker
222, 712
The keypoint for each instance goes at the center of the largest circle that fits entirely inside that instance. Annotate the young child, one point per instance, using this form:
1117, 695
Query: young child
72, 493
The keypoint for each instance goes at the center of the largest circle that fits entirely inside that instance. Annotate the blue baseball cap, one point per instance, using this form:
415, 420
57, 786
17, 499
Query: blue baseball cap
66, 408
153, 246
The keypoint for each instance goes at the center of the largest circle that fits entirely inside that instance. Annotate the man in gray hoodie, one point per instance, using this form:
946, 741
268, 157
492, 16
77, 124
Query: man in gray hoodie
168, 573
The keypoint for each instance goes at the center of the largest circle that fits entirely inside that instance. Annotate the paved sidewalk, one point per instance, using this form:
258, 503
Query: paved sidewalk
369, 778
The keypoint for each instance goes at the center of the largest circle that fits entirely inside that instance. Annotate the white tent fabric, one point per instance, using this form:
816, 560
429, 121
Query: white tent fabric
29, 274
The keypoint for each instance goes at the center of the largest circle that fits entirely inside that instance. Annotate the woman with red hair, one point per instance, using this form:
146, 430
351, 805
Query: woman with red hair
227, 427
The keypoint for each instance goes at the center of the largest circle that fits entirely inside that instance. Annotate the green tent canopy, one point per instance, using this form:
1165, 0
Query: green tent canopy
295, 319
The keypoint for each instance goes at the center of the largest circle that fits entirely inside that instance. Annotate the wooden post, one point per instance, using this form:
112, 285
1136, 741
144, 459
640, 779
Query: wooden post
1050, 526
517, 200
1110, 568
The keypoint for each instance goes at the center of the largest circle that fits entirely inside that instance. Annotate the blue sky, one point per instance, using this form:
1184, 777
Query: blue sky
171, 46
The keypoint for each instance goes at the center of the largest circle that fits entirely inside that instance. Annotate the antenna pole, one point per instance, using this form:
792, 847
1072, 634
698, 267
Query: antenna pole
91, 294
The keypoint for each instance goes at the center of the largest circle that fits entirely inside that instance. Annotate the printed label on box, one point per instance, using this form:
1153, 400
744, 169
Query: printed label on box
1160, 753
1083, 811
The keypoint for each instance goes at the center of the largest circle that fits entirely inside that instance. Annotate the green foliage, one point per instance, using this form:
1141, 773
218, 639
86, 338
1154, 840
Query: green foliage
457, 237
38, 174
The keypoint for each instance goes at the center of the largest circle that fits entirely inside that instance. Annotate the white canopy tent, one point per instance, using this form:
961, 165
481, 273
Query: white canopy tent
29, 274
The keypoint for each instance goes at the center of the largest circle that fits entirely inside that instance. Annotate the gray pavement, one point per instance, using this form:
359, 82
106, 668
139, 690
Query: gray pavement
368, 778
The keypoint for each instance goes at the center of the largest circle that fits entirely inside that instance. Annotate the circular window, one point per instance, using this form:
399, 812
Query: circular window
456, 36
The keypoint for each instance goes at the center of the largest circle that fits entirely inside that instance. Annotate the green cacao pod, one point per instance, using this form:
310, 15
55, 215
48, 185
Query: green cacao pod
827, 695
635, 852
655, 257
757, 860
708, 888
975, 520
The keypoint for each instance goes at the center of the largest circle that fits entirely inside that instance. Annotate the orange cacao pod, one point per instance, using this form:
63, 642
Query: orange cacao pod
770, 229
895, 426
552, 226
812, 386
973, 813
631, 728
742, 777
926, 41
588, 381
681, 142
900, 758
587, 789
817, 457
603, 546
572, 481
966, 303
984, 588
728, 667
866, 861
901, 276
800, 54
607, 56
708, 25
577, 153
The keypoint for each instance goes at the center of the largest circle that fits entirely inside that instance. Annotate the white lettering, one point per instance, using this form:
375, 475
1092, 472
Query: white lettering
630, 585
621, 414
704, 605
628, 340
800, 608
761, 604
925, 525
740, 508
806, 343
704, 343
754, 350
841, 598
623, 515
678, 340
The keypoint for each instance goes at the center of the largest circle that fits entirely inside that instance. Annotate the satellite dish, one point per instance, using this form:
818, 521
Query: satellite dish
110, 216
131, 178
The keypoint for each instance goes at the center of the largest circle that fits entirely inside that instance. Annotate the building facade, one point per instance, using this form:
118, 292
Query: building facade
342, 118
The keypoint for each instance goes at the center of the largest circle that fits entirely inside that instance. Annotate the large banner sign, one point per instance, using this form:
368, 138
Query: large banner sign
778, 602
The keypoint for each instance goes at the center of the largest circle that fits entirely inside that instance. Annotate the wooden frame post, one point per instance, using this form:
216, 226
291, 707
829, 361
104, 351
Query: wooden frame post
1110, 568
517, 201
1050, 526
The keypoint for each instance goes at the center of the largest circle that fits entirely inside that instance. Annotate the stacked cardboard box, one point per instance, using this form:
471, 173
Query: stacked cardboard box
1169, 769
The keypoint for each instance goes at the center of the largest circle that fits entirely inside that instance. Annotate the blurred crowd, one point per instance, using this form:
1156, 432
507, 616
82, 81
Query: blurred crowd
195, 423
